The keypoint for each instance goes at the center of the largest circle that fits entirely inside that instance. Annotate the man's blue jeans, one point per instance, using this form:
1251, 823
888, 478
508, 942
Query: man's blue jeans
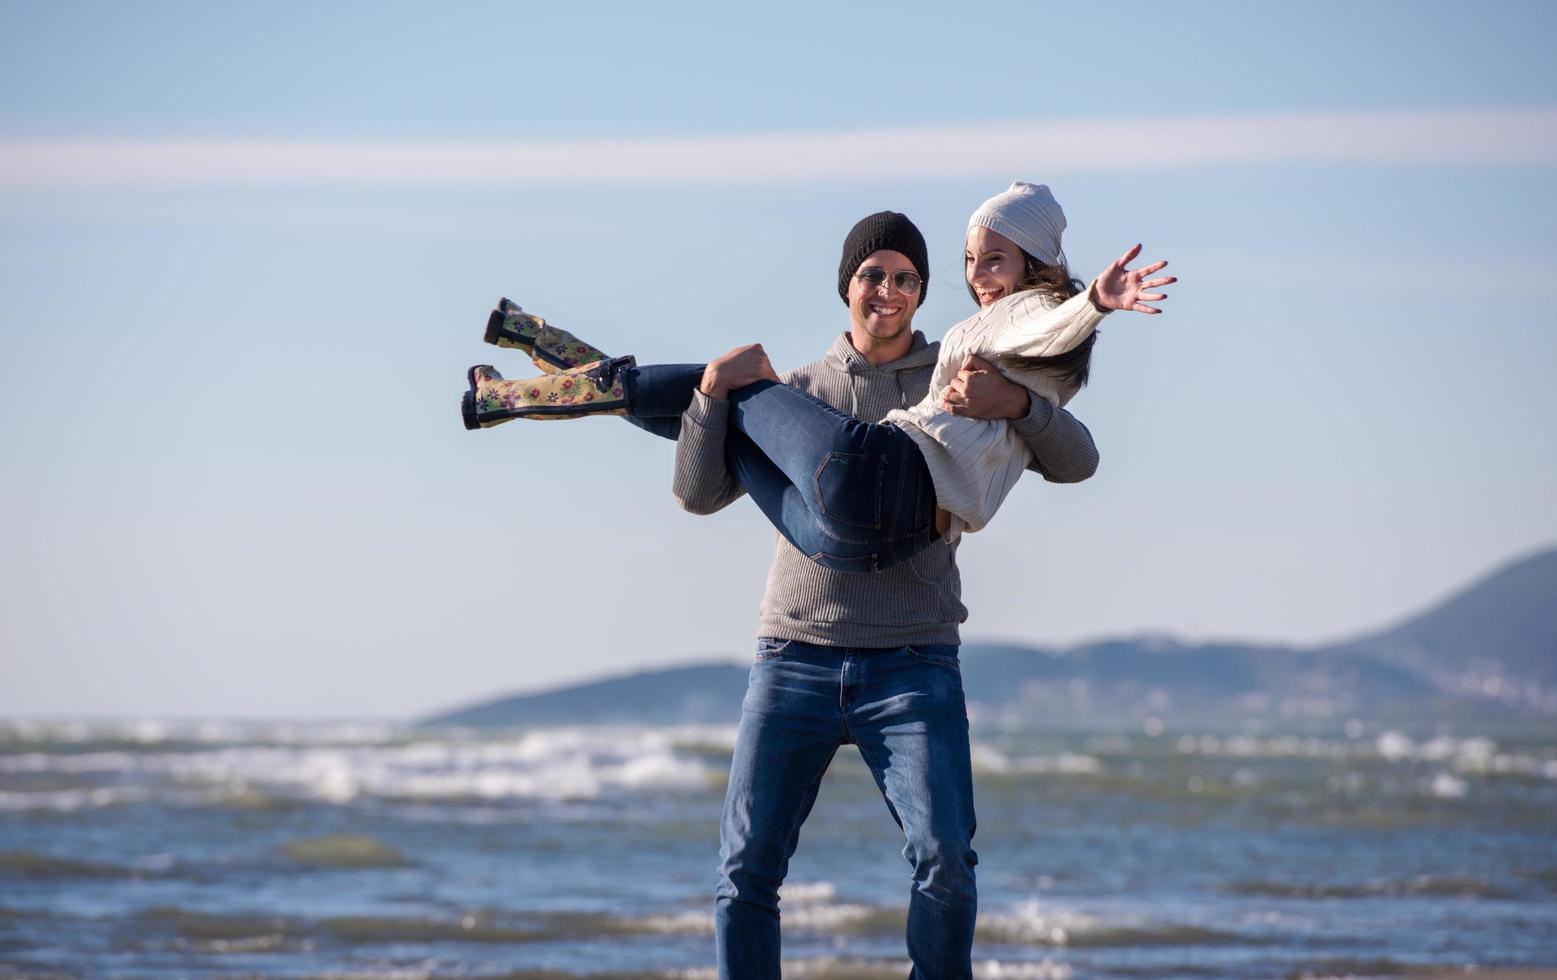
904, 708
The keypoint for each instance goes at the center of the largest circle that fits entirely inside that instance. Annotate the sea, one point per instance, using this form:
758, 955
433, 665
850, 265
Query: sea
211, 848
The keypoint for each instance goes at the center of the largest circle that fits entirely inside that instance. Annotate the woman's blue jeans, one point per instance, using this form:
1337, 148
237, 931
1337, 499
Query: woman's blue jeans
905, 710
853, 496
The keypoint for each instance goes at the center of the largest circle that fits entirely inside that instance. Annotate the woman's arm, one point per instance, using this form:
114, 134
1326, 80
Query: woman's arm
1037, 327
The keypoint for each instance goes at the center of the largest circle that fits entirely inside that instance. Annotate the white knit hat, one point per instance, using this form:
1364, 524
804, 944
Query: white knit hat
1028, 215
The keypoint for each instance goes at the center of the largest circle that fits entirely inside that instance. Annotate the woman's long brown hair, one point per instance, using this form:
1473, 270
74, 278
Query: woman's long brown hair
1074, 366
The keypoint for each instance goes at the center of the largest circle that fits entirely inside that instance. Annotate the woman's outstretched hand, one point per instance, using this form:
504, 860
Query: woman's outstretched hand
1118, 288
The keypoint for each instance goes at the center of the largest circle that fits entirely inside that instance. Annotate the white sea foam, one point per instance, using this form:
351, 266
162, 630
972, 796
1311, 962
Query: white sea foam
827, 916
160, 731
1447, 786
560, 764
83, 762
809, 906
682, 923
1474, 753
1467, 755
1030, 924
1042, 970
1034, 925
74, 799
987, 758
1524, 765
797, 892
1274, 746
238, 763
854, 969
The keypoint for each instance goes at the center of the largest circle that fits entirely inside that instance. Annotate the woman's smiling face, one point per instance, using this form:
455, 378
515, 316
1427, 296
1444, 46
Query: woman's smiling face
993, 265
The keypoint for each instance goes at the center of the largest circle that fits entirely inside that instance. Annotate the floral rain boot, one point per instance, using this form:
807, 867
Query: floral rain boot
552, 350
596, 389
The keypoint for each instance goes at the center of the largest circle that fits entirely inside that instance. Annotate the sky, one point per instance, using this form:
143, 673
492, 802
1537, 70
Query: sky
247, 253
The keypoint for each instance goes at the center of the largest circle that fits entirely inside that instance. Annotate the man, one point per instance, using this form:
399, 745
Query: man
863, 659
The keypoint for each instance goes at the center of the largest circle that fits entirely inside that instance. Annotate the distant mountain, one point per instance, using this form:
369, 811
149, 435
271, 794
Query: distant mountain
1499, 632
703, 694
1152, 676
1489, 648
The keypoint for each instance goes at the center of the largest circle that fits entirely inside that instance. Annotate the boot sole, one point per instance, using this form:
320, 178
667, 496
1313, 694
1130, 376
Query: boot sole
468, 402
496, 331
508, 414
494, 327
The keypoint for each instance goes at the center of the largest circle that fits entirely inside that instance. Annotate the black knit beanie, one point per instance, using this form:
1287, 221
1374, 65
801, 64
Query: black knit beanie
883, 230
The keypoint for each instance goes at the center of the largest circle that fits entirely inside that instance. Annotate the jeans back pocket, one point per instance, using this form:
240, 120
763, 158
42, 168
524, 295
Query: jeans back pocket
848, 488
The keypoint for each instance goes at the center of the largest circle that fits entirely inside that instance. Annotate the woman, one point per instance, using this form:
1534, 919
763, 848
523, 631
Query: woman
856, 496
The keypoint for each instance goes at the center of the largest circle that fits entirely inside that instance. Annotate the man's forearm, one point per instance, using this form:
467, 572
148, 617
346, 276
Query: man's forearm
1063, 450
703, 483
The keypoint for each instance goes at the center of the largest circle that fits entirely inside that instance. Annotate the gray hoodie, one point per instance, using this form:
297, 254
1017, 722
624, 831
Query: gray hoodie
916, 602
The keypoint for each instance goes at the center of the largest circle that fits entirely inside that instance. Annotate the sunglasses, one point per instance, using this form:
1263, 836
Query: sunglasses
907, 283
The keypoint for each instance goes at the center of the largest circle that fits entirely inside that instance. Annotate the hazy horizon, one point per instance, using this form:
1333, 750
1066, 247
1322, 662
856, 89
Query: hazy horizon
249, 255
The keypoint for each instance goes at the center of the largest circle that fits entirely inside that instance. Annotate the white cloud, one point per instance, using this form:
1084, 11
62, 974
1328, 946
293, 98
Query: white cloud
1475, 137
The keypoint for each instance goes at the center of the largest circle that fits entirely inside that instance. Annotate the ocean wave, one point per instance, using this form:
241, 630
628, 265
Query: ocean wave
555, 764
1433, 886
208, 926
236, 930
1471, 751
24, 763
805, 906
474, 927
73, 799
989, 760
1381, 966
831, 918
1472, 754
1447, 786
1270, 746
67, 766
798, 892
141, 733
344, 851
1029, 925
1511, 764
240, 932
30, 864
834, 968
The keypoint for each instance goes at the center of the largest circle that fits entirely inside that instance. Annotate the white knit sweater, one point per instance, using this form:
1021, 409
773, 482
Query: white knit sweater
976, 462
